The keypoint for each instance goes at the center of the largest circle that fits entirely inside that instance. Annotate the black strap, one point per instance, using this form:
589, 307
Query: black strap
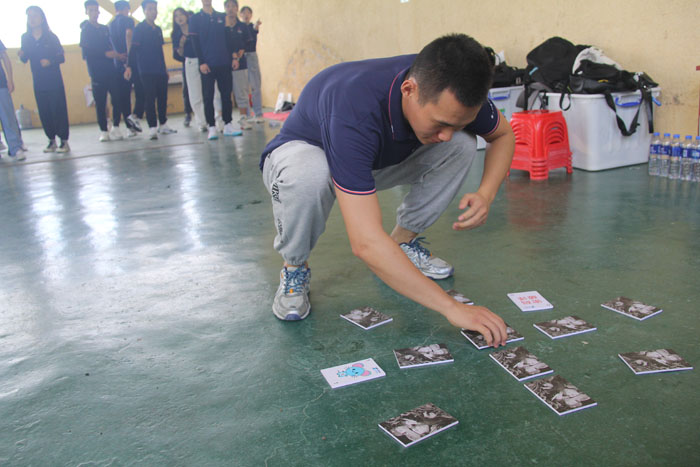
620, 123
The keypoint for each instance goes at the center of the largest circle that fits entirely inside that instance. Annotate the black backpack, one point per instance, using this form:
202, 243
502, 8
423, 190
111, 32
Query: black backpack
549, 69
600, 78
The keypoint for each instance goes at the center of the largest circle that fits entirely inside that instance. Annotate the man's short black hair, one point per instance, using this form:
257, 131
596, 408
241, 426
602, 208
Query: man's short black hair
91, 3
247, 8
455, 62
145, 3
121, 5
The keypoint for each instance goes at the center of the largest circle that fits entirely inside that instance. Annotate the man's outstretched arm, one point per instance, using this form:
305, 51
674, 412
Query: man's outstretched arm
370, 243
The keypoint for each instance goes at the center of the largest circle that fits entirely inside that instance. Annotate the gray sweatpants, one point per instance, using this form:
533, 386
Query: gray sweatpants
297, 177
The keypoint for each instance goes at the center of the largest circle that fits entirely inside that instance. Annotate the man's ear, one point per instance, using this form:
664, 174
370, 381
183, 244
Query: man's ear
409, 87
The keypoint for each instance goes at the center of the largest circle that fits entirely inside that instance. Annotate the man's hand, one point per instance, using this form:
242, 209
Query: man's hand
204, 68
482, 320
127, 73
10, 86
235, 64
44, 62
476, 214
111, 54
257, 24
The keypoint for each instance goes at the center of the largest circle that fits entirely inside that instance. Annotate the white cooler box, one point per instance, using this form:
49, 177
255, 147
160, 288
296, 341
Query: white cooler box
504, 99
594, 138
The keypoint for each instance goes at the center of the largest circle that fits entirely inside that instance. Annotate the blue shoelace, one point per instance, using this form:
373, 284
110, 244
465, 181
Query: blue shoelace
415, 244
295, 279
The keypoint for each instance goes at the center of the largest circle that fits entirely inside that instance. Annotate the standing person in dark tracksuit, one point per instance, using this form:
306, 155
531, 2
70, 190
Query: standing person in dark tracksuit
183, 48
208, 29
99, 54
147, 52
43, 50
121, 28
251, 56
237, 36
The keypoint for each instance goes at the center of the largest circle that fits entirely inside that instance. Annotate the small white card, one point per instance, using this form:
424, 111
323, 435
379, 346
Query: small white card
352, 373
530, 301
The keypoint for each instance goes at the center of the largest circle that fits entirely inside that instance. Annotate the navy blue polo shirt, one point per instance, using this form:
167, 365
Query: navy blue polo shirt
3, 78
210, 32
117, 29
353, 112
236, 38
253, 41
95, 41
147, 44
49, 47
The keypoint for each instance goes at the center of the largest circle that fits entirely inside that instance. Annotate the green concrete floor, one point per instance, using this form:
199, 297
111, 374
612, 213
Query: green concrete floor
135, 322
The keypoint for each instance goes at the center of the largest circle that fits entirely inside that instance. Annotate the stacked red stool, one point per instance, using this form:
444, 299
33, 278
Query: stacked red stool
541, 143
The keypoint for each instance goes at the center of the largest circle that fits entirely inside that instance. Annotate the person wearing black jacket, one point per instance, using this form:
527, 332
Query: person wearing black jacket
121, 29
42, 49
237, 36
208, 30
147, 53
99, 54
183, 48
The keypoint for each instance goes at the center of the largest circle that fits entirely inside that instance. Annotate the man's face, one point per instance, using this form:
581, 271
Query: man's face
206, 3
151, 12
246, 15
231, 9
434, 122
92, 12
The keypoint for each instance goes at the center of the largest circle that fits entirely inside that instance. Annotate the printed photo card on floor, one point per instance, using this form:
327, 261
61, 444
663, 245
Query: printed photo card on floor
654, 361
530, 301
366, 317
423, 355
459, 297
632, 308
479, 341
352, 373
560, 395
563, 327
520, 363
418, 424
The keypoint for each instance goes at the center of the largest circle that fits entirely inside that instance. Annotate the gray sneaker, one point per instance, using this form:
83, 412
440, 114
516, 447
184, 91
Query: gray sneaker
291, 301
429, 265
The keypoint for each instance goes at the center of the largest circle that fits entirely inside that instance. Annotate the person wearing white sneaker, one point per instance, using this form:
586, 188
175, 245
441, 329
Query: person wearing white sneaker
364, 126
104, 136
115, 134
212, 133
254, 77
98, 52
164, 129
207, 29
20, 155
230, 130
13, 134
237, 35
146, 53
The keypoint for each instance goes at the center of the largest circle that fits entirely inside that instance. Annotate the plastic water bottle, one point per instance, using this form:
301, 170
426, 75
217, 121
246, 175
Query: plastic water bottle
654, 149
696, 160
686, 158
665, 155
674, 167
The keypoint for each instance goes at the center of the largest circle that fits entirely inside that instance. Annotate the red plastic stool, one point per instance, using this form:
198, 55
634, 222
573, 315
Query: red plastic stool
541, 143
